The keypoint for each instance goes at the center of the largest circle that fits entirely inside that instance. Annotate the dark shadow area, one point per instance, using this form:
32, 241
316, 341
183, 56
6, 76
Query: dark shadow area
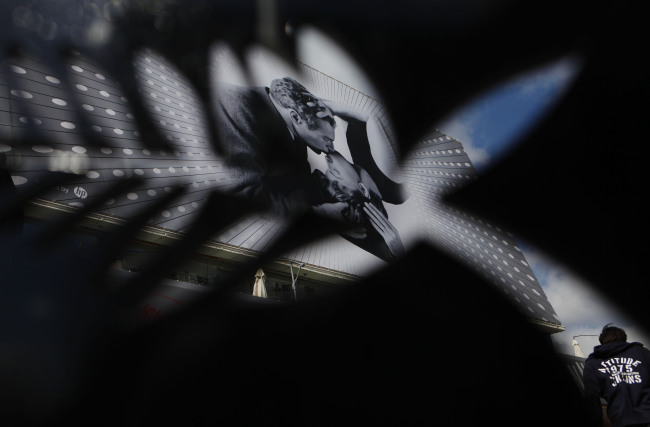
430, 355
361, 355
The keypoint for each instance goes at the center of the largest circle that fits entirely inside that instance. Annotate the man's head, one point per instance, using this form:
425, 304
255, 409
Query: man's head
306, 115
612, 334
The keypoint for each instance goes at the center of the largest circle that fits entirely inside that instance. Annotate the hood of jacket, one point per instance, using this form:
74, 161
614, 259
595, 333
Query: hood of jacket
605, 351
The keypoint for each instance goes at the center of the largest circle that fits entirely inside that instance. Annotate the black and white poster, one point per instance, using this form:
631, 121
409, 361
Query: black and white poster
294, 143
292, 137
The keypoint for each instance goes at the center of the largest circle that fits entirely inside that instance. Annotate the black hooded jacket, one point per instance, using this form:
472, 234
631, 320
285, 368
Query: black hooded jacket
619, 372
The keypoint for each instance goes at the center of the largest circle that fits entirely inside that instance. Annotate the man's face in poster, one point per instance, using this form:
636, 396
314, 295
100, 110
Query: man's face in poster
320, 137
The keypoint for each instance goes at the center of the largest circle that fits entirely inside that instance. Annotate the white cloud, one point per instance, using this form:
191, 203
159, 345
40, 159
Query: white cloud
539, 88
581, 309
555, 76
479, 156
461, 127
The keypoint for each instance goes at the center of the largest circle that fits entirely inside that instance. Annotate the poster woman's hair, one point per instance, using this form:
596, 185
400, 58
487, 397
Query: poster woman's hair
355, 198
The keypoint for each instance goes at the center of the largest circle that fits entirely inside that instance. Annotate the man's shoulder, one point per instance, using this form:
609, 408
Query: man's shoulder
638, 349
245, 103
226, 91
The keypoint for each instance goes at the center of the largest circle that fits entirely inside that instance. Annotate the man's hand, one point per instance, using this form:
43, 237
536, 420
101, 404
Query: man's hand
344, 111
385, 229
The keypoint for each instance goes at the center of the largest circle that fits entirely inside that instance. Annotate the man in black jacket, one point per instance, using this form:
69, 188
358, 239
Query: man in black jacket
619, 372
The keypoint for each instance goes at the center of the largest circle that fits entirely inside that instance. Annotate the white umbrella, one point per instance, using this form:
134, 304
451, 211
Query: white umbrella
577, 351
259, 290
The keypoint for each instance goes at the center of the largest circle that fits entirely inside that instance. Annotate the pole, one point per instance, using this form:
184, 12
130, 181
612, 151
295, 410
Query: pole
295, 279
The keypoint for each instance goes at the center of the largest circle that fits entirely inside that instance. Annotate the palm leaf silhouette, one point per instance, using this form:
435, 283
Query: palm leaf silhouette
353, 356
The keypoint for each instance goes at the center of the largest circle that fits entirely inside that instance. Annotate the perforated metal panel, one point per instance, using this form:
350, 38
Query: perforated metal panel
33, 99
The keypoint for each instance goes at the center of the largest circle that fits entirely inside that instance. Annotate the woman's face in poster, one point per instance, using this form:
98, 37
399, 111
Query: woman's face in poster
341, 171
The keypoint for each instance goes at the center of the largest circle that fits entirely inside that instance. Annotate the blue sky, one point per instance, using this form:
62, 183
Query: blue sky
490, 125
487, 127
497, 119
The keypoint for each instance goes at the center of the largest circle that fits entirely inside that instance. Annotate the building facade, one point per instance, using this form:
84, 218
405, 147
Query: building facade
78, 120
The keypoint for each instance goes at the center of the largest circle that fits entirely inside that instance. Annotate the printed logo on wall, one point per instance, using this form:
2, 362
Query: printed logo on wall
80, 192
